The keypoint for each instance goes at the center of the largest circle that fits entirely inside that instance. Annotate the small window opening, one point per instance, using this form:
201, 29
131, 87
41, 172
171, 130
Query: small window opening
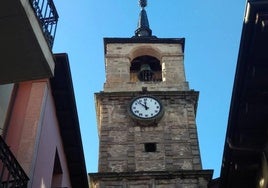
150, 147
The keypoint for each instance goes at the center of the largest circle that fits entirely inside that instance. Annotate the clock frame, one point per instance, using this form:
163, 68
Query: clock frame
146, 109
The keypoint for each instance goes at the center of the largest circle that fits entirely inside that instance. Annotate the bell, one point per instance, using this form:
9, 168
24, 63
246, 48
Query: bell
145, 73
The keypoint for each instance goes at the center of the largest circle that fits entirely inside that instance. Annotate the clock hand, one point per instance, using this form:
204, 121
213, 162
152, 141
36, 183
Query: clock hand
144, 105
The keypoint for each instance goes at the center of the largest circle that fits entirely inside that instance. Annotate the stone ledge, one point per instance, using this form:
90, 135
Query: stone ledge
184, 174
158, 93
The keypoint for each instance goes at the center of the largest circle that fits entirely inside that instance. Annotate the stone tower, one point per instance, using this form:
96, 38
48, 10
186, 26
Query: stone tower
146, 115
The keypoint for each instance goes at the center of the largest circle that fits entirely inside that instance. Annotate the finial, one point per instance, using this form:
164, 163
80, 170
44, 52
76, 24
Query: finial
143, 29
143, 3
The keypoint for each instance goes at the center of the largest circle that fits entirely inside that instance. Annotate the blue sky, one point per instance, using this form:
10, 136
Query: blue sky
212, 29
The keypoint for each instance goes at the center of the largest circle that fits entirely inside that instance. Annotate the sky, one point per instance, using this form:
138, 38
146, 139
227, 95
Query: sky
212, 30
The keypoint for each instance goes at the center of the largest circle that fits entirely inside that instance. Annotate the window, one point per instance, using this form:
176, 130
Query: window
150, 147
5, 100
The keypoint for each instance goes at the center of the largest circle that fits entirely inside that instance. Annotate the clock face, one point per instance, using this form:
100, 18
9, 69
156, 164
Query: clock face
146, 107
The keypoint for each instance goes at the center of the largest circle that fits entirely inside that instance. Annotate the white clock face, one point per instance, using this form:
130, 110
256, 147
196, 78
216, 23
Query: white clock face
145, 107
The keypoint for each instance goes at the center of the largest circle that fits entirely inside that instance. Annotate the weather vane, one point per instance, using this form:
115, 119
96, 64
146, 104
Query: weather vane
143, 3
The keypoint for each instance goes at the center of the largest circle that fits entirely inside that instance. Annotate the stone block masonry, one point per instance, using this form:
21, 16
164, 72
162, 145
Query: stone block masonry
122, 139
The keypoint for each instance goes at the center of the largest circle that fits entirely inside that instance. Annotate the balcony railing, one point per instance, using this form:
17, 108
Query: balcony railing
11, 173
46, 12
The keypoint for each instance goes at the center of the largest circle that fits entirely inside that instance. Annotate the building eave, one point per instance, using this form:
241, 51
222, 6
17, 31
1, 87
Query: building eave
63, 93
248, 118
146, 40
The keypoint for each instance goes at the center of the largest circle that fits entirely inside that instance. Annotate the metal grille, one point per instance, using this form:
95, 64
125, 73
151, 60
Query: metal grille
11, 173
46, 12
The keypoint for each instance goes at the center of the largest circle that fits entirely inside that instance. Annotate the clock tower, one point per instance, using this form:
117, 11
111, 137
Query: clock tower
146, 115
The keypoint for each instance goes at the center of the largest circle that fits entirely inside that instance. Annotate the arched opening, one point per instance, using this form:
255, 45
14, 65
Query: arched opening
146, 69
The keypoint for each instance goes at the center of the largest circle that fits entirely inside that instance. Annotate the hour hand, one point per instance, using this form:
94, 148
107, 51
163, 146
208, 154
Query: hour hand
145, 105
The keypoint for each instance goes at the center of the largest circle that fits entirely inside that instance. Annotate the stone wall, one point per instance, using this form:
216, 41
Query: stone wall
122, 139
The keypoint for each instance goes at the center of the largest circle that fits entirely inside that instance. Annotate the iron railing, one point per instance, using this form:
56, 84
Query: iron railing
46, 12
11, 173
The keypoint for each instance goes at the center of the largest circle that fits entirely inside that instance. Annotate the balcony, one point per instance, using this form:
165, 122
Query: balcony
11, 173
46, 12
27, 31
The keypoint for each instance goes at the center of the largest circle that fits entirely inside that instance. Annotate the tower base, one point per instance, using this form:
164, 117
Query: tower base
159, 179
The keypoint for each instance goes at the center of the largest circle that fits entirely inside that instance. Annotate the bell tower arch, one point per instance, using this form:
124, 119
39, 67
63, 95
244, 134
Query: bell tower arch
145, 69
124, 57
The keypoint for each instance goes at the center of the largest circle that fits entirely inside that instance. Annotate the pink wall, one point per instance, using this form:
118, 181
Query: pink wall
33, 134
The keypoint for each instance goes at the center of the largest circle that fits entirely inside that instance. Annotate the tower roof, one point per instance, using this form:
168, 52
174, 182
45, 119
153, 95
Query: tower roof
143, 29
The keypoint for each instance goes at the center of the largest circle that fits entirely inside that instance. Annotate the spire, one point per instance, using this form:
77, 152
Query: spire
143, 29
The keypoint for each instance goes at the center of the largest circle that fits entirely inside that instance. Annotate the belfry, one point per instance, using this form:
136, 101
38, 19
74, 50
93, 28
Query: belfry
146, 115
